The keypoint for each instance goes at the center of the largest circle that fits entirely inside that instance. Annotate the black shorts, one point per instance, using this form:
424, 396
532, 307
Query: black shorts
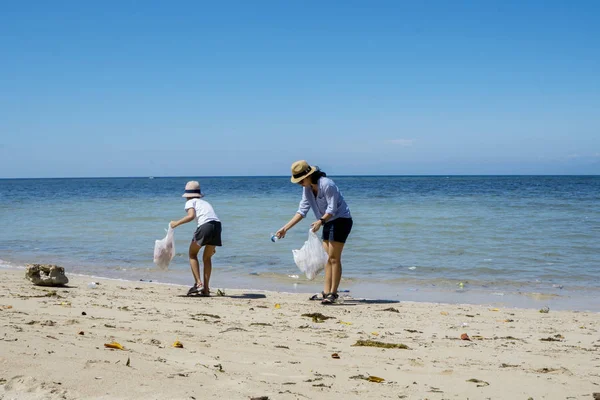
337, 230
209, 234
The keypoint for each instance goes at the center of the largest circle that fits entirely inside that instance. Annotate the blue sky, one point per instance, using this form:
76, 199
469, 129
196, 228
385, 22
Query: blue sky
124, 88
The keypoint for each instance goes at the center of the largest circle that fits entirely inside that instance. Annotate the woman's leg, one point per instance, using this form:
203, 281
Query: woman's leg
194, 264
327, 283
209, 251
335, 259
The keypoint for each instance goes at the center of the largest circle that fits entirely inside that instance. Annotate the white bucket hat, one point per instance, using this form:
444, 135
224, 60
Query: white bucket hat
192, 189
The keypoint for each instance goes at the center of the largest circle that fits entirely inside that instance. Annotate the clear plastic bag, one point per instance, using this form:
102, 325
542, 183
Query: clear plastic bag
311, 258
164, 250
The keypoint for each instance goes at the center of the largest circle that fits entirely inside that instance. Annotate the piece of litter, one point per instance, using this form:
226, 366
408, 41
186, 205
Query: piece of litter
277, 305
114, 345
178, 344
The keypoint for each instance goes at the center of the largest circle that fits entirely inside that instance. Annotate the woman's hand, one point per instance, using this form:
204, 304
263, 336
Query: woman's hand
281, 233
173, 224
315, 226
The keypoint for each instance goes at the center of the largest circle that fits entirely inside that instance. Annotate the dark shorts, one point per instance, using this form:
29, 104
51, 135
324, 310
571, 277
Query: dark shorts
337, 230
209, 234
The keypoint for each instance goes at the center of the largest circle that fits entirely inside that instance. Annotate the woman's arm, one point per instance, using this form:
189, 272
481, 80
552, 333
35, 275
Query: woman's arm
295, 219
189, 217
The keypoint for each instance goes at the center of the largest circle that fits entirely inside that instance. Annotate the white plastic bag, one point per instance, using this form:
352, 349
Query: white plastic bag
311, 258
164, 250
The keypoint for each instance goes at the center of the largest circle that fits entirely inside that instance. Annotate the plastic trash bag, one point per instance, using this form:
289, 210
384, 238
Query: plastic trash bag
311, 258
164, 250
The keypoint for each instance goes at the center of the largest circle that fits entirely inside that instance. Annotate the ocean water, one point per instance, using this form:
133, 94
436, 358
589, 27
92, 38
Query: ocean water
514, 240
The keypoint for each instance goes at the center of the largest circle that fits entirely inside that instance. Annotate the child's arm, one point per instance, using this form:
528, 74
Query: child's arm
190, 217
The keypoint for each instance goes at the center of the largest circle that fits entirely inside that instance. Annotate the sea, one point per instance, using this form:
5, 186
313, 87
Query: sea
513, 241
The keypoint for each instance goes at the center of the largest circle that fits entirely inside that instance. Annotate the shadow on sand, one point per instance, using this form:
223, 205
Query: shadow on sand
246, 296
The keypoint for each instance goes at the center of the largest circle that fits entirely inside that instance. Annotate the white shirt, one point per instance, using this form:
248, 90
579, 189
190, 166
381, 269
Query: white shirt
204, 211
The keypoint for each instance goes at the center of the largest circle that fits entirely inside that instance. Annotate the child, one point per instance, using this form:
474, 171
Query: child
208, 234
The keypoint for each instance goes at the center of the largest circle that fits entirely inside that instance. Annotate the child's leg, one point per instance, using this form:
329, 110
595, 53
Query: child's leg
194, 264
209, 251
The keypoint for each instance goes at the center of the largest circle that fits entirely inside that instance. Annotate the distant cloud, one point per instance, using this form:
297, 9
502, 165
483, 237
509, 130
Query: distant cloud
401, 142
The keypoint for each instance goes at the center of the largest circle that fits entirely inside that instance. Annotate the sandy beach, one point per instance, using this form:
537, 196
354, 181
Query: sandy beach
257, 344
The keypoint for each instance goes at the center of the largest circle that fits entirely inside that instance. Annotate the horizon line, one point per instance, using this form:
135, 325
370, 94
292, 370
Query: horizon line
285, 176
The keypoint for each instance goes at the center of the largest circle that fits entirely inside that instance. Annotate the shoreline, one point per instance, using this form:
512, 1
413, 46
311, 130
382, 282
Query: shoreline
258, 343
556, 299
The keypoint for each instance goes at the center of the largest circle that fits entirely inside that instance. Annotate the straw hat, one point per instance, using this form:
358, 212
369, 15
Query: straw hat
192, 189
300, 170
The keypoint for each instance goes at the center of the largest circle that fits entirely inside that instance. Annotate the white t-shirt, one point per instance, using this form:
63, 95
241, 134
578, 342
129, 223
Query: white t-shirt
204, 211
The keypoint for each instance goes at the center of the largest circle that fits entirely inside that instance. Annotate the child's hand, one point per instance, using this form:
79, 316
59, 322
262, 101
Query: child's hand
173, 224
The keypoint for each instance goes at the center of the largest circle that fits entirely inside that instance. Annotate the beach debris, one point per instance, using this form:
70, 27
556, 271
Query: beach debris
93, 285
479, 382
46, 275
83, 313
279, 346
219, 367
503, 365
220, 292
345, 323
114, 345
375, 333
390, 309
443, 313
370, 378
412, 331
81, 333
555, 338
6, 307
177, 344
545, 310
215, 316
317, 317
277, 305
110, 326
374, 343
336, 356
234, 329
260, 398
128, 363
260, 324
464, 336
494, 309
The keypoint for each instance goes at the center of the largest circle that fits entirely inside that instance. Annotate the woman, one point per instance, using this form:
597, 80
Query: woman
332, 213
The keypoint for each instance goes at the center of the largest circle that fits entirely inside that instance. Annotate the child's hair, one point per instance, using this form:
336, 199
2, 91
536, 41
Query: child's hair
315, 176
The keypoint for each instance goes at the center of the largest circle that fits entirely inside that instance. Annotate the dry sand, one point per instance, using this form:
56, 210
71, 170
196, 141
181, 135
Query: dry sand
258, 345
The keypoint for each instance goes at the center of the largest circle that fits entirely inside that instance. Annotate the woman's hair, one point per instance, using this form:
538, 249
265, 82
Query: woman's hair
315, 176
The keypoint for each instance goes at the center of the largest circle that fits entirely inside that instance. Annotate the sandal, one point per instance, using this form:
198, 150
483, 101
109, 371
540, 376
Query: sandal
316, 296
330, 299
195, 290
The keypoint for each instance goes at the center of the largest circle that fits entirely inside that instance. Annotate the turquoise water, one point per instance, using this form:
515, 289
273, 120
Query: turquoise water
414, 238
